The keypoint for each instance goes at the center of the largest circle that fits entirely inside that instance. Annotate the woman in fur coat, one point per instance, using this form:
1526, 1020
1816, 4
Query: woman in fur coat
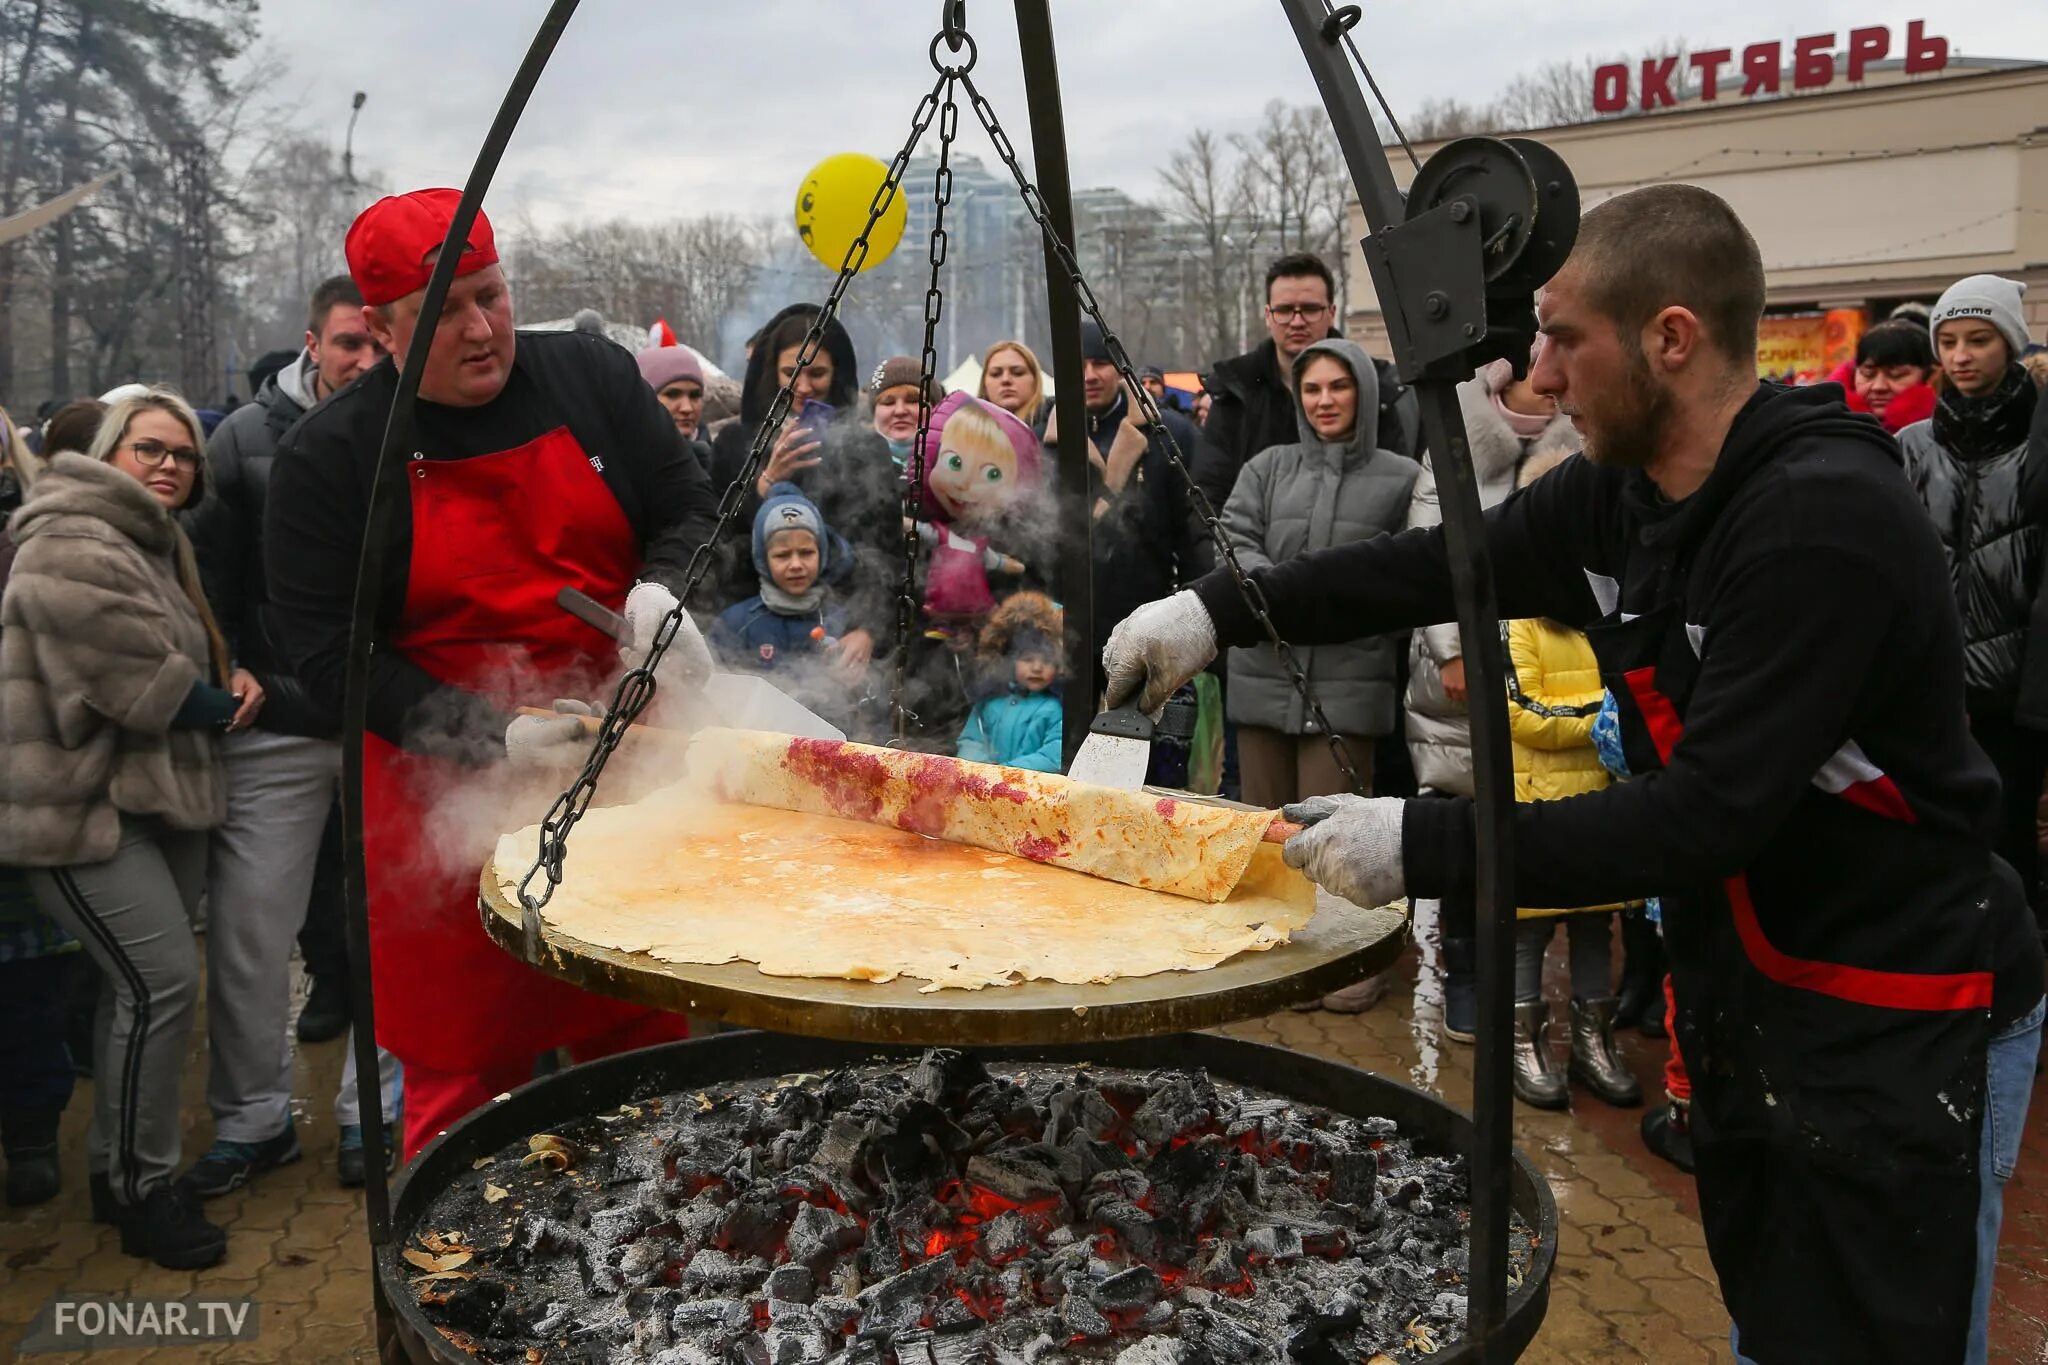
114, 689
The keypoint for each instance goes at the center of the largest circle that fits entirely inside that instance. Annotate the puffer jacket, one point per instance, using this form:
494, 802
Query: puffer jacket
1439, 736
1016, 728
1305, 496
98, 648
1970, 466
1554, 696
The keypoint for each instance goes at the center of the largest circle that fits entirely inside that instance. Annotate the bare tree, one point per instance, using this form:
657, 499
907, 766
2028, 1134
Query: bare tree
1446, 116
692, 271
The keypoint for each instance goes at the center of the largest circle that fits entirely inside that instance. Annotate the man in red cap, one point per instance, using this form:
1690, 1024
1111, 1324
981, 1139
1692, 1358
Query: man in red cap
538, 462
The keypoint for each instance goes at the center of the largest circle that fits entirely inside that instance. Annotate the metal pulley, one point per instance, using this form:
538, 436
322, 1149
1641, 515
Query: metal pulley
1487, 221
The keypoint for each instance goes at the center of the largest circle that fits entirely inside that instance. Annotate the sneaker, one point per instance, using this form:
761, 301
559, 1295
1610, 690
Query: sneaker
349, 1161
1667, 1131
325, 1016
229, 1165
167, 1227
1461, 989
1360, 996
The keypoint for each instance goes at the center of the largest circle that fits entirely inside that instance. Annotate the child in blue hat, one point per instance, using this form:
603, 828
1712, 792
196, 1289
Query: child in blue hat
790, 629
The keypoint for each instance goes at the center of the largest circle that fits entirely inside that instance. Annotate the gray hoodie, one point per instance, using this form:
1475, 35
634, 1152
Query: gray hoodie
1292, 499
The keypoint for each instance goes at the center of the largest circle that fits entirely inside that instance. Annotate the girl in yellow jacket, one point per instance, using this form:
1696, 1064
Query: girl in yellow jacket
1554, 695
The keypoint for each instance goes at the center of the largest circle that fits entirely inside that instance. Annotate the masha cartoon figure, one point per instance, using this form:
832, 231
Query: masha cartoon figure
981, 460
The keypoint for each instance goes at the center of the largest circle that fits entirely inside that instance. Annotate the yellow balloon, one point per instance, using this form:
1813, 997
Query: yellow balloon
832, 207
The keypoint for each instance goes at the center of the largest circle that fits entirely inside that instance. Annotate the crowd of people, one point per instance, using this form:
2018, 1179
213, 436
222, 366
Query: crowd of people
178, 601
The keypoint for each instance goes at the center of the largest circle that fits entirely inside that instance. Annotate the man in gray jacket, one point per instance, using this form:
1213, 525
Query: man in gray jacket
283, 773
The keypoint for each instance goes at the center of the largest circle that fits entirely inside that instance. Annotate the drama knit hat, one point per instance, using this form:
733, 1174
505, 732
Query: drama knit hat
1992, 298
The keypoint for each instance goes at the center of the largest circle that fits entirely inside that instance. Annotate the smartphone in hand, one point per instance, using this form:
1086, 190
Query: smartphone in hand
816, 415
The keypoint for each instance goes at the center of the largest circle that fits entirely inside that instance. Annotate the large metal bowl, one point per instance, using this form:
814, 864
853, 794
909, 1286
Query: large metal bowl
605, 1084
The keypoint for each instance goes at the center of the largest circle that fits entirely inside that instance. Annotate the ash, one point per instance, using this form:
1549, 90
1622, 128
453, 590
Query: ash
942, 1214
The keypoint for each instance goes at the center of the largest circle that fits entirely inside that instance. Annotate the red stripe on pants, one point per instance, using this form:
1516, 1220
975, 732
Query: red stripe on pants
1677, 1084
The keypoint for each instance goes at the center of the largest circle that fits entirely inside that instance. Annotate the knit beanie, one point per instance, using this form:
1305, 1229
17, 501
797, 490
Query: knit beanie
899, 371
662, 366
1993, 298
787, 509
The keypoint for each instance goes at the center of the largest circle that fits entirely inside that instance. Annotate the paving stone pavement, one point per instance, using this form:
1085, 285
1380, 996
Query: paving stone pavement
1633, 1282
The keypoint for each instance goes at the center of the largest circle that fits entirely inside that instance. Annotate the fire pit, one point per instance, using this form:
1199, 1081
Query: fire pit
783, 1201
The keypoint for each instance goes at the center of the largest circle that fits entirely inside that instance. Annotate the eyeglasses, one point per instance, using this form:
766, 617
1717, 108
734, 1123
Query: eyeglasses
151, 454
1298, 312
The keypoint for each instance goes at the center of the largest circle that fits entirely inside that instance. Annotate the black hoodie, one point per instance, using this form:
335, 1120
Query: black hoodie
1817, 599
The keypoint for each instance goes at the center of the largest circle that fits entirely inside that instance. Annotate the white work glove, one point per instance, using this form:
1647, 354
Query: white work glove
688, 661
549, 742
1352, 846
1157, 648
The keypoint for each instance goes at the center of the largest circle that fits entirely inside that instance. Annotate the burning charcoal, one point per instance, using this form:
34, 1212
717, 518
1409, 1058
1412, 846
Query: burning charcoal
611, 1226
819, 1234
1127, 1291
879, 1256
1273, 1243
1405, 1193
792, 1283
1219, 1263
1004, 1238
1354, 1177
793, 1339
685, 1353
1153, 1351
898, 1302
748, 1349
643, 1260
945, 1076
709, 1317
752, 1226
1223, 1339
1083, 1318
1024, 1175
1158, 1317
1039, 1349
951, 1315
1316, 1340
1080, 1109
1132, 1226
472, 1305
1169, 1111
835, 1313
712, 1269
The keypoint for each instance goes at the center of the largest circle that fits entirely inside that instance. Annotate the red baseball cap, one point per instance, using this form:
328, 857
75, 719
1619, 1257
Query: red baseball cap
391, 243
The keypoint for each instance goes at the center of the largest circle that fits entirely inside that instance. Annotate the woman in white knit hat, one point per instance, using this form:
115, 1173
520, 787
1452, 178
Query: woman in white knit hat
1988, 496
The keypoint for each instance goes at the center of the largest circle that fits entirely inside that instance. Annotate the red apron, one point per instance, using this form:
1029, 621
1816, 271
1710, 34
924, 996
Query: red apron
495, 537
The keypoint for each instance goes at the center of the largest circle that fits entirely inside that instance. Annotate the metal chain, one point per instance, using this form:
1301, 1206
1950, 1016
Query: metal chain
637, 688
928, 366
1255, 599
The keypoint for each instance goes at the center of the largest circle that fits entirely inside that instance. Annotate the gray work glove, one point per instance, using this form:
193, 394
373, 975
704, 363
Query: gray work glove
688, 661
549, 743
1157, 648
1352, 846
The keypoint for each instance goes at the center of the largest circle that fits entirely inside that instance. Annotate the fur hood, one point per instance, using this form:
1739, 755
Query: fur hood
80, 496
1020, 612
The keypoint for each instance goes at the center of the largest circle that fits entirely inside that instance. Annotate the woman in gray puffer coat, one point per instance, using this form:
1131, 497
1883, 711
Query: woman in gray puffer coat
110, 776
1507, 422
1335, 487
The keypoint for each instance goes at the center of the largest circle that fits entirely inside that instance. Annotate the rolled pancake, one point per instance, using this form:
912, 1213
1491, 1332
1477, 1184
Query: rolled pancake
1183, 848
682, 879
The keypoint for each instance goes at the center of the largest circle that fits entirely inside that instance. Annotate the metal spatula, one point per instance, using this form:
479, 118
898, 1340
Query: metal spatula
1117, 751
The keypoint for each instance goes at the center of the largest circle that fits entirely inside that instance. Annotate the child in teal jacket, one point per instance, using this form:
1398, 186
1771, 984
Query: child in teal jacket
1018, 722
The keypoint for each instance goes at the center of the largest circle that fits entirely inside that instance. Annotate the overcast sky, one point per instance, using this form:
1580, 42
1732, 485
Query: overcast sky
652, 109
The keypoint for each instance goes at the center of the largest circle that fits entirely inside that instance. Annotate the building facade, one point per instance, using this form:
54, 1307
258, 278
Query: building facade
1861, 197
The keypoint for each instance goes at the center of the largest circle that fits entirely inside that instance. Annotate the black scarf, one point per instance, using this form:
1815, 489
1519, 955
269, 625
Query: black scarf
1989, 424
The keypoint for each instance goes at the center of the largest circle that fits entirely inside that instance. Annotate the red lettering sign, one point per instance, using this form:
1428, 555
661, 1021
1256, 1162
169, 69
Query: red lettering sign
1610, 88
1709, 65
1760, 64
1816, 61
1657, 82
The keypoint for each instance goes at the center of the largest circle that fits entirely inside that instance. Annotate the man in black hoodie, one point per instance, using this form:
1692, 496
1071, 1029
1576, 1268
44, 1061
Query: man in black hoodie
1253, 407
1856, 975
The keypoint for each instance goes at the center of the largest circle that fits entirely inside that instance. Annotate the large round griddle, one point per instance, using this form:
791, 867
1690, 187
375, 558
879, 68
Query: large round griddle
1342, 944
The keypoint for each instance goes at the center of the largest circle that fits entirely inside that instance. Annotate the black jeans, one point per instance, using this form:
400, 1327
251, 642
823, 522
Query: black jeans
323, 939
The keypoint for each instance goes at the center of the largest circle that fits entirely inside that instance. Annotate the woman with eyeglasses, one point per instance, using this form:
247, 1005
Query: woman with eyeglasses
115, 686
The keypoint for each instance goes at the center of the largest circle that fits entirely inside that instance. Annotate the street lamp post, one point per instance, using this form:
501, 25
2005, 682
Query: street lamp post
348, 142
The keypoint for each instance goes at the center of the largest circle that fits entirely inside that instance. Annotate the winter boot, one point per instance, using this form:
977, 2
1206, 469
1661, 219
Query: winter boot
1538, 1082
1595, 1064
167, 1227
1667, 1132
30, 1138
1461, 989
1642, 974
325, 1016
